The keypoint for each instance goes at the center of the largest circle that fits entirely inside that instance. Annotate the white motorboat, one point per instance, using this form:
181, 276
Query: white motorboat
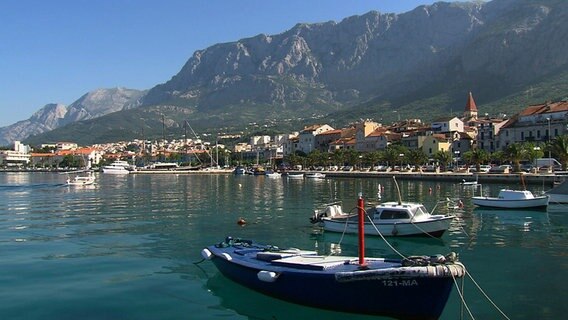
388, 219
315, 175
469, 183
117, 167
512, 199
273, 174
81, 180
295, 175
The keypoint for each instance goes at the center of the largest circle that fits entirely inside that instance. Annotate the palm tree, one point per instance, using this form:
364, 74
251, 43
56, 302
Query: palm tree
417, 157
534, 151
444, 158
559, 147
515, 153
477, 157
391, 155
338, 157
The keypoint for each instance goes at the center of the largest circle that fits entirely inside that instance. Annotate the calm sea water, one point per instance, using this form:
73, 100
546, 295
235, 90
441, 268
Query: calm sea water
126, 247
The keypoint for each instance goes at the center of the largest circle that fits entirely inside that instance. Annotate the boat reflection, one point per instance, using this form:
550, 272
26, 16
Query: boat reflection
254, 305
527, 219
336, 244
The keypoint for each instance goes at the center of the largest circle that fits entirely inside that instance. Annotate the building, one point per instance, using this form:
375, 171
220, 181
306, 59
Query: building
325, 139
488, 130
307, 137
447, 124
362, 131
19, 156
436, 143
537, 123
65, 145
470, 112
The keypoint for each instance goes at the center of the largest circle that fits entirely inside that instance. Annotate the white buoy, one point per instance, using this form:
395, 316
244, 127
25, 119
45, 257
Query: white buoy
267, 276
206, 254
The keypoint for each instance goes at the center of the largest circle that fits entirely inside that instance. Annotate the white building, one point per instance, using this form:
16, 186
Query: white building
307, 137
537, 123
19, 156
448, 124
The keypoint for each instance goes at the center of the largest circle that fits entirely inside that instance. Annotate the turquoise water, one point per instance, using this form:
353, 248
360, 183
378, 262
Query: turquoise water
125, 248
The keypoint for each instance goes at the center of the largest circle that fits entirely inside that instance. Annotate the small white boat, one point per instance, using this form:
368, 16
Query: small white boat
295, 175
388, 219
512, 199
117, 167
469, 183
559, 194
273, 174
81, 180
315, 175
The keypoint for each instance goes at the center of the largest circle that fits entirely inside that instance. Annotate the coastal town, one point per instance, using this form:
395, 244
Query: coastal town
468, 141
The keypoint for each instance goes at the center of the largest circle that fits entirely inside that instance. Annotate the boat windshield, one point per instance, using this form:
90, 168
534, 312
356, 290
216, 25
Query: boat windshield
419, 211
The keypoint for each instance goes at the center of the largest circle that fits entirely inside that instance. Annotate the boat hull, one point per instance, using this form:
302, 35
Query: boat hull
115, 171
400, 294
498, 203
432, 228
558, 198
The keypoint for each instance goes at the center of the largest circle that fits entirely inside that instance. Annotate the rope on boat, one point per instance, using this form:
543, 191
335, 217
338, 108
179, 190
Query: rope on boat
460, 293
464, 303
344, 231
382, 237
486, 296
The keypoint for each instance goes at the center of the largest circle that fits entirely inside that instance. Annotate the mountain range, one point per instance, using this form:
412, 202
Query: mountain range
419, 64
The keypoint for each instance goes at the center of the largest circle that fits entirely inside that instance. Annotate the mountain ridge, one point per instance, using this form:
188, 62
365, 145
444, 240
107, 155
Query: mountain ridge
433, 54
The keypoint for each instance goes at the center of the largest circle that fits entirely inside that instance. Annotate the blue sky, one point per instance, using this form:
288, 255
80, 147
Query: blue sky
56, 51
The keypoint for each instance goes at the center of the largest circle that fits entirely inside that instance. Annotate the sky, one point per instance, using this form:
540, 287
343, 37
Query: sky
56, 51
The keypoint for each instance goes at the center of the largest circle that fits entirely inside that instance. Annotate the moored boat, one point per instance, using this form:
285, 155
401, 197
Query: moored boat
239, 170
512, 199
273, 174
386, 219
406, 288
558, 194
117, 167
315, 175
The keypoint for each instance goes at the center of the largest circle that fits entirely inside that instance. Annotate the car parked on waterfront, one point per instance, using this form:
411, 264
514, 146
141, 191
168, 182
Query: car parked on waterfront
484, 168
505, 168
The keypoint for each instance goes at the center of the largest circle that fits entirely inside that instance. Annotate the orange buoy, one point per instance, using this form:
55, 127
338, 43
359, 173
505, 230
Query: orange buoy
241, 222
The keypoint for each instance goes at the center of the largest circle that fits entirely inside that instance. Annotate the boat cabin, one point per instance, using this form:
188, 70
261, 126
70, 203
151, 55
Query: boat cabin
395, 211
515, 194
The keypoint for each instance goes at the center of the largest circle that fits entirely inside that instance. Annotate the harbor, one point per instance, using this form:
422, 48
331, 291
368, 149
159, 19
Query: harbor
129, 246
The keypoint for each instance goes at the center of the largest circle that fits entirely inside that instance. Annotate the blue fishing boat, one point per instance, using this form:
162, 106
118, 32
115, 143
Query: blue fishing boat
406, 288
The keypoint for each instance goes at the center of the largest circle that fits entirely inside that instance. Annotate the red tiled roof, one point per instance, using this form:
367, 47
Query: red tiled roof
336, 131
545, 108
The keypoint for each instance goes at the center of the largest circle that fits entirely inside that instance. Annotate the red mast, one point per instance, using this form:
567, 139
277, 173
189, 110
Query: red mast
361, 213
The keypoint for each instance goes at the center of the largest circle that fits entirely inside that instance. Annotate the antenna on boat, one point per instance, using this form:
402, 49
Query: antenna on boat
361, 229
397, 190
